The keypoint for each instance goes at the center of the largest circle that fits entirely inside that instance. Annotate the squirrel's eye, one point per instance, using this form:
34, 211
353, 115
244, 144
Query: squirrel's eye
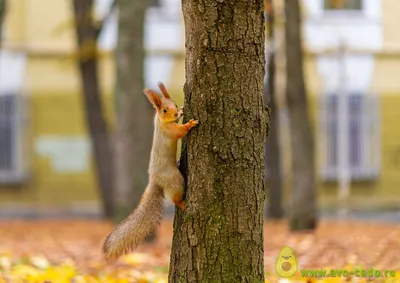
165, 110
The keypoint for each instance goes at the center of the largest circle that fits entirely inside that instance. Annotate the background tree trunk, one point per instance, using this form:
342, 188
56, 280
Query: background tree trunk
219, 237
134, 127
272, 156
3, 8
87, 34
304, 212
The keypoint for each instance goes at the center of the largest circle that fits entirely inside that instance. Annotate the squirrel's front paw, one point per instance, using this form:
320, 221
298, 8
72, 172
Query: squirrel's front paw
181, 112
192, 123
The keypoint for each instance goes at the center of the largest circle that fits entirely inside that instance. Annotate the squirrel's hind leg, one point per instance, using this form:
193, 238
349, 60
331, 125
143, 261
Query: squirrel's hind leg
175, 190
179, 202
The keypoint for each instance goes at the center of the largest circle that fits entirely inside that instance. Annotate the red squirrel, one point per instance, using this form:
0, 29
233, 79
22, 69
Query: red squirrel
164, 176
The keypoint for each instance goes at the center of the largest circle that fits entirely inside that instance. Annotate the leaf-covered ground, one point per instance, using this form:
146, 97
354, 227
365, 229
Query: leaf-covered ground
69, 251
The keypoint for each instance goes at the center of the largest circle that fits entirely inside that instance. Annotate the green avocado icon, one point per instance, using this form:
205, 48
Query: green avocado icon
286, 263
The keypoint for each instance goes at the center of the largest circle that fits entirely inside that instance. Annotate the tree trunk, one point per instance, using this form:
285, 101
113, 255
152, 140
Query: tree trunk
304, 212
87, 43
272, 158
134, 130
273, 165
219, 237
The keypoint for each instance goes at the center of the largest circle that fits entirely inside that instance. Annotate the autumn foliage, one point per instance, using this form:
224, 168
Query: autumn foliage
70, 251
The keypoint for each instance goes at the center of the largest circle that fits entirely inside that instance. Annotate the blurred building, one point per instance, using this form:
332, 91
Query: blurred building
45, 157
352, 50
351, 47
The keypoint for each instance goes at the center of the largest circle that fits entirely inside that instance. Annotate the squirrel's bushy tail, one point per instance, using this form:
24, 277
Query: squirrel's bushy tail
137, 226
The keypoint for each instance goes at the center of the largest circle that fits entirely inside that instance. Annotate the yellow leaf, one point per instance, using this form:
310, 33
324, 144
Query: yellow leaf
24, 270
79, 279
135, 259
5, 263
39, 262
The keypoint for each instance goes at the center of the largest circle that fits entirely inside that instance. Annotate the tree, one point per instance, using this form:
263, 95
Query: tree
134, 128
3, 7
272, 158
87, 32
304, 212
219, 236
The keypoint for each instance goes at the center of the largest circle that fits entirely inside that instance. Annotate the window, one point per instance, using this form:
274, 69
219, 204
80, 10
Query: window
12, 118
11, 168
343, 5
362, 136
7, 137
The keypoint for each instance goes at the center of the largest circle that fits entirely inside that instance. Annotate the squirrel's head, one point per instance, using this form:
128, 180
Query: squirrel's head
166, 108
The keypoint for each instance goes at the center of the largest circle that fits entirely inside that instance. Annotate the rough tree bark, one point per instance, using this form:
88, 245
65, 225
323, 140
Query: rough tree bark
87, 33
304, 212
134, 128
272, 156
219, 237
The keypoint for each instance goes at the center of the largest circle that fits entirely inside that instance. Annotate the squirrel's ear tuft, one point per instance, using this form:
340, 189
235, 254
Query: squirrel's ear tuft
153, 97
163, 90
